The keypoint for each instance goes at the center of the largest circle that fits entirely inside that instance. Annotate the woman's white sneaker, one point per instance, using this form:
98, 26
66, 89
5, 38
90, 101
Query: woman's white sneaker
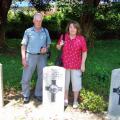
75, 105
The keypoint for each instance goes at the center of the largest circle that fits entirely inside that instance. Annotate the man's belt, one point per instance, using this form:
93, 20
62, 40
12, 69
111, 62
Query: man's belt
34, 53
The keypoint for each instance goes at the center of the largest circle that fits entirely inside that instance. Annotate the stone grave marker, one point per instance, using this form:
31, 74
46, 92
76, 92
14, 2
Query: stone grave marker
114, 98
53, 91
1, 86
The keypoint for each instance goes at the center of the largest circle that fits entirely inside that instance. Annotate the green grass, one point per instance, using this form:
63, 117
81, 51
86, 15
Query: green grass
11, 71
101, 60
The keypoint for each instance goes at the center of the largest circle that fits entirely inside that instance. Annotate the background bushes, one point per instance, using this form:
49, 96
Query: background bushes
106, 24
19, 21
107, 21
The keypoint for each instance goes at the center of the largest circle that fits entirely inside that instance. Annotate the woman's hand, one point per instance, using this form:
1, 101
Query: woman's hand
83, 68
60, 45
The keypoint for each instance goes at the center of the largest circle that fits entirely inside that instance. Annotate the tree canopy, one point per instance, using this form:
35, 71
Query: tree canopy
41, 5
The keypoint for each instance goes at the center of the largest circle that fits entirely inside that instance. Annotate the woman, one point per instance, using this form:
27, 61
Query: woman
74, 54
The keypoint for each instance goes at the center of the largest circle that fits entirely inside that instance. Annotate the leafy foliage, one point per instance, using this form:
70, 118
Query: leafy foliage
106, 24
107, 21
41, 5
74, 9
91, 101
23, 20
17, 23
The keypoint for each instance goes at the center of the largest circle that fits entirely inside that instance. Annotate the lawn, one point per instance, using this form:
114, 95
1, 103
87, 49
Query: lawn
102, 59
100, 62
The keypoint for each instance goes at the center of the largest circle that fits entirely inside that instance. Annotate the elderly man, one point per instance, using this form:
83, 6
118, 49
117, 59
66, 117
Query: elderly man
35, 43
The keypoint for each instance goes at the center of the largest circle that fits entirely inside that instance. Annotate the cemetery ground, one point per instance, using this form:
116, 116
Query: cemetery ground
102, 59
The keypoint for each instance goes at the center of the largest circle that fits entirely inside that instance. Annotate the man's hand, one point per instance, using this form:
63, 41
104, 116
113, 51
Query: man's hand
23, 53
43, 50
24, 63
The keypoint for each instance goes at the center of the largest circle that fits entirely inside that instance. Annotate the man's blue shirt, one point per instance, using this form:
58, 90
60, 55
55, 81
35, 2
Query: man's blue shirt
35, 40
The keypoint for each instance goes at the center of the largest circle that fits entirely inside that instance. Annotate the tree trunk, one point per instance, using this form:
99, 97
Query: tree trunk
2, 36
87, 19
4, 7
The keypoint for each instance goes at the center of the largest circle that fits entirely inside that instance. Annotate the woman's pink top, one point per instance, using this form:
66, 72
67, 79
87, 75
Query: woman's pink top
72, 51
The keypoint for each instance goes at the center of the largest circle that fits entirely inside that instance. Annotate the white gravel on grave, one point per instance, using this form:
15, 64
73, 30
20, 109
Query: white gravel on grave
16, 110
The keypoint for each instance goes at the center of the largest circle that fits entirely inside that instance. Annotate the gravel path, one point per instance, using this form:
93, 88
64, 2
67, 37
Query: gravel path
16, 110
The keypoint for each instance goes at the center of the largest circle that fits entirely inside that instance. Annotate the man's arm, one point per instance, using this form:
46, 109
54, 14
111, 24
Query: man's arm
23, 54
48, 42
84, 56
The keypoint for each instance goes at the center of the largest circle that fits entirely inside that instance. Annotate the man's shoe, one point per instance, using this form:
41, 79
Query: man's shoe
39, 98
26, 100
65, 103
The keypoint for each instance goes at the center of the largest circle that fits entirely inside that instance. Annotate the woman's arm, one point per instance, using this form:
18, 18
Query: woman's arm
60, 42
84, 56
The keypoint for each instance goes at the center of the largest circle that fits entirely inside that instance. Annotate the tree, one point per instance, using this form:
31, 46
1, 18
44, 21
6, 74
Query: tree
87, 19
84, 12
4, 7
41, 5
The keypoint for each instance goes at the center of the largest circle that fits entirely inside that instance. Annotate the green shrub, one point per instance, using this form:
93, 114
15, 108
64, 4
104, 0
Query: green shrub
107, 20
17, 23
53, 24
92, 102
21, 20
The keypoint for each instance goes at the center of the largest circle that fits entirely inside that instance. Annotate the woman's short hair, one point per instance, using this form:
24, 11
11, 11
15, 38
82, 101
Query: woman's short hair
76, 25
